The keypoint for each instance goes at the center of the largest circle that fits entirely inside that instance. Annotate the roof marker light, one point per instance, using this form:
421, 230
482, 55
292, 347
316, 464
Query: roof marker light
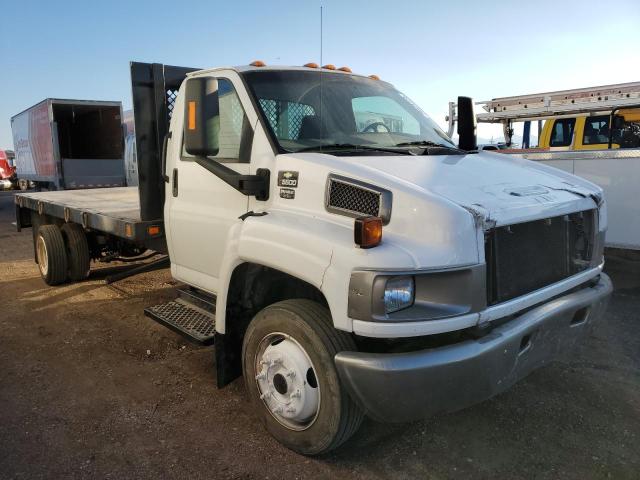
374, 77
258, 63
329, 66
311, 65
345, 69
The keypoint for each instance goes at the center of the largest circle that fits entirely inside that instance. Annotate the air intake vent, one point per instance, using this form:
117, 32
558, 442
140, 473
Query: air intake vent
353, 198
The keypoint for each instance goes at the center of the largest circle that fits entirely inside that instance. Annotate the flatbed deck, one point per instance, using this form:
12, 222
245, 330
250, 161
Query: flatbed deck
114, 211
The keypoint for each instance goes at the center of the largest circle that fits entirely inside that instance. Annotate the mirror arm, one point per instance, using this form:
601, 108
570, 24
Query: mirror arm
250, 185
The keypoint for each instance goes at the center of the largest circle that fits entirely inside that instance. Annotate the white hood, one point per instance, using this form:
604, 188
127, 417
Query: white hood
445, 202
502, 189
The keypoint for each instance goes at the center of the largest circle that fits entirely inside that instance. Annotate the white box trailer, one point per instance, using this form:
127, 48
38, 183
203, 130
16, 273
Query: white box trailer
69, 144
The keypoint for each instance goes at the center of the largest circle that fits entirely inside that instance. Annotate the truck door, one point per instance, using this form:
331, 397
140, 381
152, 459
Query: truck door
201, 209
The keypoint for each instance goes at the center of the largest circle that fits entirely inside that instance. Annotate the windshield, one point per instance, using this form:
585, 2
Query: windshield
306, 113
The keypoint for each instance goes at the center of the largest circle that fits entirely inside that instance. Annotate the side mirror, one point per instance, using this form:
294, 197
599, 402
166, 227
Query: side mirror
201, 117
467, 125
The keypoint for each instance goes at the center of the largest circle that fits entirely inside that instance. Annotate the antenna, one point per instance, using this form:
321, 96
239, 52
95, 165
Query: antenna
321, 64
321, 35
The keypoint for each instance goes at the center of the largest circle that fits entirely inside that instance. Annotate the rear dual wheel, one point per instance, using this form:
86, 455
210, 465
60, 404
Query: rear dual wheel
62, 253
51, 254
288, 364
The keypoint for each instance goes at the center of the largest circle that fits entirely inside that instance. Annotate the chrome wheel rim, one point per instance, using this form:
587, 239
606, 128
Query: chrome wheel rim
43, 256
287, 382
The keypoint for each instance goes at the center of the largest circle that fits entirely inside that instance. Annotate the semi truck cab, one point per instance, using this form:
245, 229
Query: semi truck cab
7, 170
345, 256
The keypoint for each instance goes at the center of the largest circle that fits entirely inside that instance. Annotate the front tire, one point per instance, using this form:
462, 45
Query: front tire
51, 255
288, 364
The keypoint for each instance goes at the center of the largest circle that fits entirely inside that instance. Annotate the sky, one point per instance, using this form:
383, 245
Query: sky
432, 51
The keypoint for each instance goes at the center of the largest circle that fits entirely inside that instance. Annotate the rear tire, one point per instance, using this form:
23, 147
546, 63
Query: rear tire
288, 350
51, 255
77, 251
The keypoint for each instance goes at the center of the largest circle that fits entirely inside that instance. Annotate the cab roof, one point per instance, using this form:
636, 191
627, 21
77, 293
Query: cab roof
272, 68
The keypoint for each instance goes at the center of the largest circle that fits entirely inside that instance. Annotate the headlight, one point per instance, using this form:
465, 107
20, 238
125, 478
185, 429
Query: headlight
398, 293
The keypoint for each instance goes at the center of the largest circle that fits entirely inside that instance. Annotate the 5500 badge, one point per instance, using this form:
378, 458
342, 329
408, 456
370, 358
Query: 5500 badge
287, 178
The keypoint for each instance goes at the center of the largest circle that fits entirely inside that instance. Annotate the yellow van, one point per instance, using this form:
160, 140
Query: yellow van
592, 131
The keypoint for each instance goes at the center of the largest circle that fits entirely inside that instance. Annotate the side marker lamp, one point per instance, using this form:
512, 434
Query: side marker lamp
368, 232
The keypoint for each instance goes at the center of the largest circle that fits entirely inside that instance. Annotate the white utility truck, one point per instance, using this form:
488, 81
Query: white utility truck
592, 132
346, 257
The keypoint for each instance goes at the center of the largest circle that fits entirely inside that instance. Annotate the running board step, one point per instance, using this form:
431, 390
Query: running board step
198, 298
189, 320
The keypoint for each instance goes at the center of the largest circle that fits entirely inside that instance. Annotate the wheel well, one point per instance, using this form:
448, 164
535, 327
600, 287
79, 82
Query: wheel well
253, 287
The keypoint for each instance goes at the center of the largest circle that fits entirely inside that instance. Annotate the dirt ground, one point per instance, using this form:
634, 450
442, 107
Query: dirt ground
91, 388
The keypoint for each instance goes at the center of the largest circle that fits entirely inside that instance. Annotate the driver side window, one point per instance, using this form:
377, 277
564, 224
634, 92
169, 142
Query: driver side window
382, 114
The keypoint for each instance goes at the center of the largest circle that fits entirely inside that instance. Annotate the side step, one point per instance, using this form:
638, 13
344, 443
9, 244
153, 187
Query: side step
191, 315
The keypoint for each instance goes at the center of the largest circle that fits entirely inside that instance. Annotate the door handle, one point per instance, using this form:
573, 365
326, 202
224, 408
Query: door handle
174, 187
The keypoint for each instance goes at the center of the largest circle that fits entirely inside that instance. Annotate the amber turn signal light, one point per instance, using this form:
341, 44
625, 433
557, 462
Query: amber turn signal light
154, 230
368, 232
192, 116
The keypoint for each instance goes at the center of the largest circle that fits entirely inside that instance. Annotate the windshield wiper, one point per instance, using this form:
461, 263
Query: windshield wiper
428, 143
354, 147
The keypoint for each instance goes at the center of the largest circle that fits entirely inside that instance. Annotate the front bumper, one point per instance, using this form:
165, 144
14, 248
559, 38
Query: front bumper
407, 386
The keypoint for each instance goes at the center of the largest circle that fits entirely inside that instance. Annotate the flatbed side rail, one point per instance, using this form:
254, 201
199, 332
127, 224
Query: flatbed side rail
149, 233
154, 89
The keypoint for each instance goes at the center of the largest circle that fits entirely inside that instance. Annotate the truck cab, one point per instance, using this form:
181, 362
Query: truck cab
343, 254
374, 215
592, 132
7, 170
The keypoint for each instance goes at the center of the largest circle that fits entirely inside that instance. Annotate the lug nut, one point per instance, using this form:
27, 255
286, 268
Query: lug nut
296, 394
290, 373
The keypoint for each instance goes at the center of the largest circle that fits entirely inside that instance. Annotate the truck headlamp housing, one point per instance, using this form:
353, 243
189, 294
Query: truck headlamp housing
399, 293
418, 295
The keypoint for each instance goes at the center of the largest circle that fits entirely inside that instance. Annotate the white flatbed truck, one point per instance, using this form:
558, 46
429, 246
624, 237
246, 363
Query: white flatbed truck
344, 255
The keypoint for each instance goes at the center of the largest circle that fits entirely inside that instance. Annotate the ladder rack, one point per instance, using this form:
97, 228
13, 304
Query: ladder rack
540, 106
